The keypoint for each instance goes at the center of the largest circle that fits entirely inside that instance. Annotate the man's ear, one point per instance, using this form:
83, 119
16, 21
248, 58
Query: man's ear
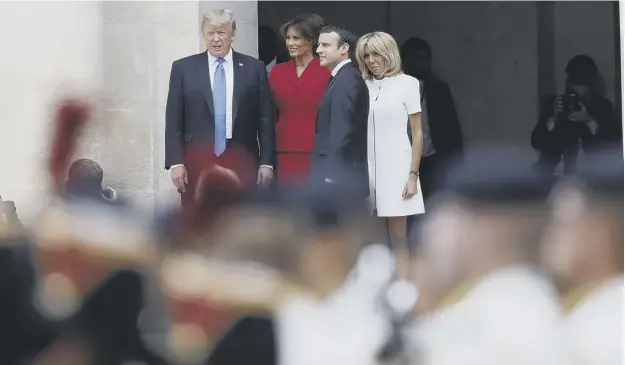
344, 48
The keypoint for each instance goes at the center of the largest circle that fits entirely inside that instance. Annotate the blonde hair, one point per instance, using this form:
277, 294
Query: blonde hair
219, 17
378, 43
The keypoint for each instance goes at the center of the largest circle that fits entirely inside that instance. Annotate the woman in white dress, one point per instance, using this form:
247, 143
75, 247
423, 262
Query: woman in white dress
395, 101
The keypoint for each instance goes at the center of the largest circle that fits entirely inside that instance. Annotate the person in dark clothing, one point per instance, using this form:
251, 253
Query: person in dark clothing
580, 120
24, 332
341, 129
442, 135
267, 46
109, 320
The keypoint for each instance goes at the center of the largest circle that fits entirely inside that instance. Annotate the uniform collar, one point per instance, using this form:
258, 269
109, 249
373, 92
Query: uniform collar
582, 293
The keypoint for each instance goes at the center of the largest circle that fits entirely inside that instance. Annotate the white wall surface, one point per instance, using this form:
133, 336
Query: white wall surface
49, 50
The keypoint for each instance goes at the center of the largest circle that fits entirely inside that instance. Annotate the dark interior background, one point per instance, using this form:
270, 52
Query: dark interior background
499, 58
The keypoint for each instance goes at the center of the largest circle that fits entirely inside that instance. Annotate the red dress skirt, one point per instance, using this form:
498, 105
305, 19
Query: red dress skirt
297, 99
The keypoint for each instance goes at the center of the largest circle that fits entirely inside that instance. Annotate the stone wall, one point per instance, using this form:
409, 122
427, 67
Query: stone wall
141, 40
44, 58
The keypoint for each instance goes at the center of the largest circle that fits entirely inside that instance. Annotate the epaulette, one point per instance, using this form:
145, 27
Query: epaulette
80, 243
10, 225
206, 296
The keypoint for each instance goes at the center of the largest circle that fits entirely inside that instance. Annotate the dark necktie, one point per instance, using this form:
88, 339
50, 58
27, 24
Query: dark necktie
328, 85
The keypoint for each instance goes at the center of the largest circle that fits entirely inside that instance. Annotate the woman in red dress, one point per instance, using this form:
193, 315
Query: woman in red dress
298, 86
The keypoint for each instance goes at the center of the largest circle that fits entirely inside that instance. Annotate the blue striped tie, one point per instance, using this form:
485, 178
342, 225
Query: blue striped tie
219, 103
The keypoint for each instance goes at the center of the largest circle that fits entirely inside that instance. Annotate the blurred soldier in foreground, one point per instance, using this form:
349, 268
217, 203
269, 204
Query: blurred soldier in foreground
344, 321
292, 262
210, 300
24, 331
481, 300
583, 250
90, 255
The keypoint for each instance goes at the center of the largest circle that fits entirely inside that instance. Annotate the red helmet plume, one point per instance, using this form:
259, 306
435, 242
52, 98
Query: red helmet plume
71, 118
221, 183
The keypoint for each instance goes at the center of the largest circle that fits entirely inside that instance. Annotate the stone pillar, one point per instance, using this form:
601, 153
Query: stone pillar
49, 49
141, 40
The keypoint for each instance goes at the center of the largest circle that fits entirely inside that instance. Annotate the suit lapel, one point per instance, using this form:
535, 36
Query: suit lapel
330, 83
238, 83
204, 76
325, 93
333, 80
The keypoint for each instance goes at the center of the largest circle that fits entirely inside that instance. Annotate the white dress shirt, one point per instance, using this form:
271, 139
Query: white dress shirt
229, 70
336, 69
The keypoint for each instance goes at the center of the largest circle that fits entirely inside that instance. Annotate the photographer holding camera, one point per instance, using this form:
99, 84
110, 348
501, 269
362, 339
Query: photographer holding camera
580, 120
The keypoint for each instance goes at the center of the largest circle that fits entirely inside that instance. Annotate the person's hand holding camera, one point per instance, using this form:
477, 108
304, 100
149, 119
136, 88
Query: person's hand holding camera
558, 107
580, 114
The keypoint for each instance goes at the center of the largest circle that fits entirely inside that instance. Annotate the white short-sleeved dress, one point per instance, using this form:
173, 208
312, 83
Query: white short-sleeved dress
389, 153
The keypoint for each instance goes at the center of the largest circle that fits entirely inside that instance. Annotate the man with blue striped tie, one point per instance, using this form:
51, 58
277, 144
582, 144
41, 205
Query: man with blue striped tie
219, 96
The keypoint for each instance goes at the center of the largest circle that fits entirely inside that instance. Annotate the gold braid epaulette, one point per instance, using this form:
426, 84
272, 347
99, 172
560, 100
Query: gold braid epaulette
456, 296
579, 294
10, 226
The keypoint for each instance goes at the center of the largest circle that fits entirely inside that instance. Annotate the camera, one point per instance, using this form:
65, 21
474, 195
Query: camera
571, 102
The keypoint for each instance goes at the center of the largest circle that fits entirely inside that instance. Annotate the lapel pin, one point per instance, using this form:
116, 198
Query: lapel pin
240, 64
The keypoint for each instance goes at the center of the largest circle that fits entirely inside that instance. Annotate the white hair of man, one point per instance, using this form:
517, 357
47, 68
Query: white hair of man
218, 17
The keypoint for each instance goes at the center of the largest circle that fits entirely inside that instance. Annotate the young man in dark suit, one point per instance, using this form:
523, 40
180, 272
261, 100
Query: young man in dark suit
219, 96
341, 131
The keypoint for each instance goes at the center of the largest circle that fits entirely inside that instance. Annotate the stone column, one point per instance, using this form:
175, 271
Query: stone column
141, 40
49, 50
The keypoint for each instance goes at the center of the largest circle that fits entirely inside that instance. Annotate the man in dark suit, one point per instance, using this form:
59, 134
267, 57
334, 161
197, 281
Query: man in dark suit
442, 136
219, 96
341, 131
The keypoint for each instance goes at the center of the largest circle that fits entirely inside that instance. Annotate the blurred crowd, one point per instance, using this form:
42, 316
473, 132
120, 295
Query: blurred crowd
507, 267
